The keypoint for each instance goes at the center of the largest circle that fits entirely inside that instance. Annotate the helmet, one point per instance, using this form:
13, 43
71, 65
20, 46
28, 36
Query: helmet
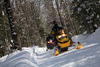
61, 30
54, 22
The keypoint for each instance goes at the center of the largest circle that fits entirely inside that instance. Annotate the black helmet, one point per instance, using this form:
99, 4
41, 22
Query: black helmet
54, 22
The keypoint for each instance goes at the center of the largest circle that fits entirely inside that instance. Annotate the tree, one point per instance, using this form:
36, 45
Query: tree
12, 25
87, 14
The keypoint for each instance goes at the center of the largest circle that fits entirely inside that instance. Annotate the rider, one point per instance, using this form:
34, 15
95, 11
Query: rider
50, 42
55, 28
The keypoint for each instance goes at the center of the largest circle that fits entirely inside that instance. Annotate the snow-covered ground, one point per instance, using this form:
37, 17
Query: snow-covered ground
88, 56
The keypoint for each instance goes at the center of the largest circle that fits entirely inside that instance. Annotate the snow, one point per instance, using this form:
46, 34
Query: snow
83, 5
3, 13
96, 25
79, 9
97, 16
99, 1
87, 56
14, 33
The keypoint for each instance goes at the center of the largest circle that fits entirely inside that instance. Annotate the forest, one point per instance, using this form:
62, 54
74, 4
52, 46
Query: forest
25, 23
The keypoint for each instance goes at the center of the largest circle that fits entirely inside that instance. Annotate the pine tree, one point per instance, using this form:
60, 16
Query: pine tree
87, 14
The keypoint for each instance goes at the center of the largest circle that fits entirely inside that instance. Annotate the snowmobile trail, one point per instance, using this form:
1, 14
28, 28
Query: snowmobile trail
74, 57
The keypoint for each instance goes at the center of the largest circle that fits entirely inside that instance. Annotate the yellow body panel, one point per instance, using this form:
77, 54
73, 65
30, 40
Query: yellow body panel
56, 53
60, 36
63, 38
79, 46
63, 45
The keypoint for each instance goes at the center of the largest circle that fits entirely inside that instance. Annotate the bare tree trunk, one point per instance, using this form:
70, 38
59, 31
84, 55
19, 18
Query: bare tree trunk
12, 25
56, 1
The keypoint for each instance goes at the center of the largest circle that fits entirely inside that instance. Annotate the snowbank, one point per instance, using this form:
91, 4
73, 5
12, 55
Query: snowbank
93, 38
22, 58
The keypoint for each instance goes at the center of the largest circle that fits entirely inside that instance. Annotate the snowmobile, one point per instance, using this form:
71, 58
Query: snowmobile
50, 44
63, 43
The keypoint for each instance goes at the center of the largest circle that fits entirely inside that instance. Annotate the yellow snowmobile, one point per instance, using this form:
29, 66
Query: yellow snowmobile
63, 43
